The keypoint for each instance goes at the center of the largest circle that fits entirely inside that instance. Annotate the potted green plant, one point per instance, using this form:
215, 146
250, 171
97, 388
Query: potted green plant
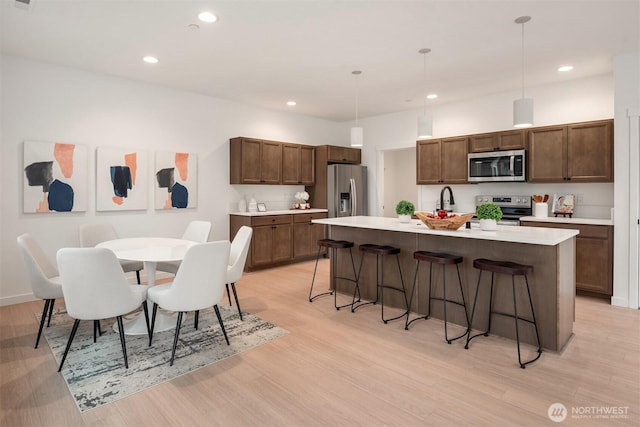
489, 214
405, 209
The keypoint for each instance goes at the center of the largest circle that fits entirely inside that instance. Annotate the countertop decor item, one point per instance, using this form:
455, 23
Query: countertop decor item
541, 210
405, 209
253, 205
563, 204
489, 214
450, 222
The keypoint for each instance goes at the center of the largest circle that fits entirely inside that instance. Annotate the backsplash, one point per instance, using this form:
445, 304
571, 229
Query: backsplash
591, 200
275, 197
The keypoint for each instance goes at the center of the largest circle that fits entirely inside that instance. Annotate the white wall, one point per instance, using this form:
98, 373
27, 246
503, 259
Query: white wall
399, 178
627, 160
50, 103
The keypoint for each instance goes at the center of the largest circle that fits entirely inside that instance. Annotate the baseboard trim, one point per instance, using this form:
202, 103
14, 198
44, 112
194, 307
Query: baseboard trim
16, 299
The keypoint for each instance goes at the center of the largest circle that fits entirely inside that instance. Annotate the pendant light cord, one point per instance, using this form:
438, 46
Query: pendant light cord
424, 82
523, 60
357, 91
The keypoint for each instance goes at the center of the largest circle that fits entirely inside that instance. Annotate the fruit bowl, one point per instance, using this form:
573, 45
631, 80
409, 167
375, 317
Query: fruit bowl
452, 222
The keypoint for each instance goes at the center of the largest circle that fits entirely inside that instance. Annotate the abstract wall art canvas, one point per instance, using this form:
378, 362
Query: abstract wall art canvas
55, 177
121, 179
176, 180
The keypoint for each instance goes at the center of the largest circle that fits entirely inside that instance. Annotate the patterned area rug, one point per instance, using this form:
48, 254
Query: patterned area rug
95, 373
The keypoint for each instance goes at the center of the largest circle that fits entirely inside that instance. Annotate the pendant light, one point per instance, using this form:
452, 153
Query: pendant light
356, 131
523, 107
425, 124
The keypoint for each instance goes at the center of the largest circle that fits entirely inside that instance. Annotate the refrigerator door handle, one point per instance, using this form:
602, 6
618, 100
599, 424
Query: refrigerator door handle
354, 197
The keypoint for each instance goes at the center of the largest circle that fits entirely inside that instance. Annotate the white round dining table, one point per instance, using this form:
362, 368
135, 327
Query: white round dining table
149, 250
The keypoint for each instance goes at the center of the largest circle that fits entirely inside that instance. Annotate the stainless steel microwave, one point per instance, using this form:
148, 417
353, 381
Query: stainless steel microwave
497, 166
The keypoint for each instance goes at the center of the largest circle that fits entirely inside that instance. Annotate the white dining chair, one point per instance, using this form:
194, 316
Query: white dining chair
96, 288
199, 284
196, 231
43, 276
237, 260
92, 234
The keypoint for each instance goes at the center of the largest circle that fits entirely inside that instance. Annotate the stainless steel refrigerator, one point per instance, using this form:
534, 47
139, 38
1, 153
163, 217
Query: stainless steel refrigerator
346, 190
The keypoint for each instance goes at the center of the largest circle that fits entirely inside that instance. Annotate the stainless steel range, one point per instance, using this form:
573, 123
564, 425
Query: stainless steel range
513, 207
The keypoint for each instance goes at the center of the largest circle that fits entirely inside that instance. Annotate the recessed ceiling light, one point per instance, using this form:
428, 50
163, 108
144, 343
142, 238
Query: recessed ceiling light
150, 59
207, 17
291, 103
432, 96
565, 68
194, 26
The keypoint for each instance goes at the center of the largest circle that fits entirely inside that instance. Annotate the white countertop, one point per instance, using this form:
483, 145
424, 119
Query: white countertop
504, 233
560, 220
280, 212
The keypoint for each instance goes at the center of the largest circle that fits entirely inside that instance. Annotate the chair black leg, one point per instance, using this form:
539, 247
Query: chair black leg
224, 331
96, 330
50, 312
45, 309
66, 350
175, 338
122, 341
235, 296
228, 294
195, 320
153, 322
138, 276
146, 317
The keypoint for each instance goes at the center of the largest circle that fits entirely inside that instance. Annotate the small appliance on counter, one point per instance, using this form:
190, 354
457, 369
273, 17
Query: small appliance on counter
513, 207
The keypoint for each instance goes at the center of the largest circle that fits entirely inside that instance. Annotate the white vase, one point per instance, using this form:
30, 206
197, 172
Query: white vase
253, 205
404, 218
488, 224
242, 205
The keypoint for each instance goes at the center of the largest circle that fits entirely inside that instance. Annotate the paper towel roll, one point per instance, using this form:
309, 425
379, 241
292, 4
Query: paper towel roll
541, 210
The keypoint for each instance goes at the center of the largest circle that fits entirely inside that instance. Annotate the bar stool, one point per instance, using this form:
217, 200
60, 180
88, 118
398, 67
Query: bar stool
380, 251
512, 269
443, 259
333, 246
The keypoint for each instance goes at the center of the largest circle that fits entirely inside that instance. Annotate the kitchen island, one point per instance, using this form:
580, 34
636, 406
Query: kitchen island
551, 252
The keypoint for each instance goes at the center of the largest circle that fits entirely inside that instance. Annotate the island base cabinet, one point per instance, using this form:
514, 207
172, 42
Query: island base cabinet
551, 283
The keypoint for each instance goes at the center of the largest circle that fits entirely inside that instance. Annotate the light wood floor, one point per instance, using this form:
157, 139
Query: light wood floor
336, 368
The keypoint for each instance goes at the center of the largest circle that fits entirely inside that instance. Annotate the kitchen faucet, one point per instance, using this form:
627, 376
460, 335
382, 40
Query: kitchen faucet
451, 201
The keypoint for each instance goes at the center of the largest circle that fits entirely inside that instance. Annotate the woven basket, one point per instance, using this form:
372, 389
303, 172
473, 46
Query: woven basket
444, 224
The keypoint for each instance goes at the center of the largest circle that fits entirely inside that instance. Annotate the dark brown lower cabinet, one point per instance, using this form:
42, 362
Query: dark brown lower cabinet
306, 234
594, 257
279, 239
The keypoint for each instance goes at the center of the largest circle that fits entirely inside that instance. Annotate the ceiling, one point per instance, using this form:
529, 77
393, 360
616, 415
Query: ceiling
266, 52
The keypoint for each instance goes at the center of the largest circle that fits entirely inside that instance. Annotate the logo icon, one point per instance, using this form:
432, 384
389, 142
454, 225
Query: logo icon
557, 412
